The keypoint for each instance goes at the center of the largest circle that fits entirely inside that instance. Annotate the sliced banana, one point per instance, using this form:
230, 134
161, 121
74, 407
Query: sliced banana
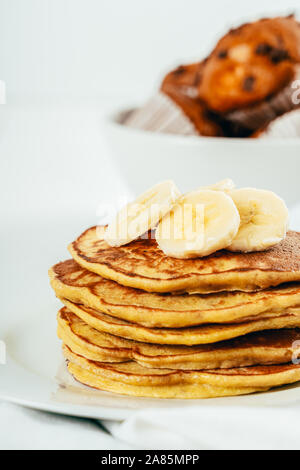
200, 223
225, 185
264, 219
137, 217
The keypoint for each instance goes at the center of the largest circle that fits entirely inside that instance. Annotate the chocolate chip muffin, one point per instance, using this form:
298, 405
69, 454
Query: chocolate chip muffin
252, 65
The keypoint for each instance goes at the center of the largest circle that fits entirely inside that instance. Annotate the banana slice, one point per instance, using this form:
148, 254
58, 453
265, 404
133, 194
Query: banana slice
137, 217
264, 219
200, 223
225, 185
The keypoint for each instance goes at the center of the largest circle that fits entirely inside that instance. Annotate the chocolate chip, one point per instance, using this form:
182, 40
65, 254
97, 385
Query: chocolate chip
223, 54
276, 54
263, 49
279, 55
179, 71
248, 83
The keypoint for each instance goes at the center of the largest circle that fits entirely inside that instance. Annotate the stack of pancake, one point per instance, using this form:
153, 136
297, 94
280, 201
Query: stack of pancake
138, 322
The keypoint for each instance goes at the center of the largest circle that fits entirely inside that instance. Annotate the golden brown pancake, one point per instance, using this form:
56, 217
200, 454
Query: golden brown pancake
71, 281
130, 374
185, 391
89, 342
141, 264
266, 347
185, 336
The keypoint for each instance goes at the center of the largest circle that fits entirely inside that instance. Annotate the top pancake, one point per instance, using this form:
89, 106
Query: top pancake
143, 265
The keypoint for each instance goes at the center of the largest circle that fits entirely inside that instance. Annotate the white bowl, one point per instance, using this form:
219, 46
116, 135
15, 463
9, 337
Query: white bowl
145, 158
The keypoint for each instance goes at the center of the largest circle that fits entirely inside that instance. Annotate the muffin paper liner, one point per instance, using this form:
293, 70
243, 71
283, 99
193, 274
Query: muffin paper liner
287, 125
161, 114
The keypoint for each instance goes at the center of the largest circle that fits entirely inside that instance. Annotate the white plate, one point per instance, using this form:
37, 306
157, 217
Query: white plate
28, 327
34, 359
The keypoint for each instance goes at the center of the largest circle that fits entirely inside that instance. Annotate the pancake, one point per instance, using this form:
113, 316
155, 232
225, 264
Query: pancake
69, 280
91, 343
132, 374
185, 336
185, 391
267, 347
141, 264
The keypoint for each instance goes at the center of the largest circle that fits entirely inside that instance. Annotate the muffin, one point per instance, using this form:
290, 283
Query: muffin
247, 78
181, 86
176, 108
